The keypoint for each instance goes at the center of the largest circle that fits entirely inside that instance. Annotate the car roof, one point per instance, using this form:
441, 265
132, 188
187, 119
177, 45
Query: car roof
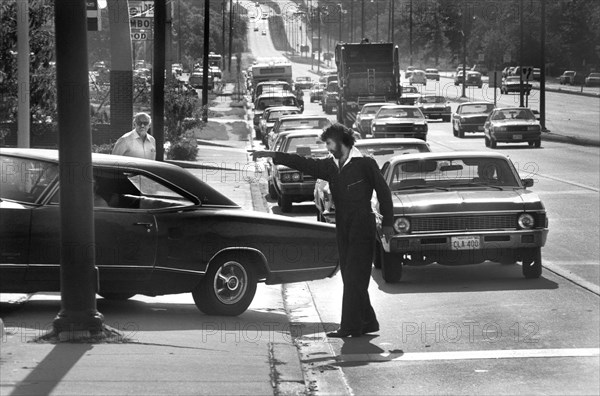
280, 108
476, 103
395, 106
511, 108
447, 154
170, 172
376, 104
277, 94
302, 117
300, 133
272, 83
367, 142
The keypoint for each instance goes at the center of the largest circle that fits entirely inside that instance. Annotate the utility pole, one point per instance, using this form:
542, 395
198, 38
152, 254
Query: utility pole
377, 20
158, 77
362, 19
393, 10
78, 317
319, 33
351, 21
205, 58
543, 66
464, 68
521, 104
223, 8
24, 113
410, 31
340, 32
230, 33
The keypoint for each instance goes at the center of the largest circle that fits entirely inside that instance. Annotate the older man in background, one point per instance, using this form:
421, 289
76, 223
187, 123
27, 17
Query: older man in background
137, 142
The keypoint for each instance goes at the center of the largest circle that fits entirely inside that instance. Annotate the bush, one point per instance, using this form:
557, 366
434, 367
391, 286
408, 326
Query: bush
182, 150
103, 148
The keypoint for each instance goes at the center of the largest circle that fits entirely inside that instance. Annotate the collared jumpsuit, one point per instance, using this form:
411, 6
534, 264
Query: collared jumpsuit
352, 188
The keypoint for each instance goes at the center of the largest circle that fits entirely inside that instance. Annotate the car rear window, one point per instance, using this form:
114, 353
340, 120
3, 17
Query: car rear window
24, 179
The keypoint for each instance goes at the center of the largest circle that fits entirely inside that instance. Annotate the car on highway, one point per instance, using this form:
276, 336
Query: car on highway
470, 117
290, 185
592, 80
456, 208
395, 121
362, 124
316, 92
158, 230
432, 74
434, 106
478, 67
513, 84
512, 125
295, 123
270, 116
409, 95
196, 80
473, 78
271, 99
303, 82
330, 97
270, 86
381, 150
568, 77
416, 77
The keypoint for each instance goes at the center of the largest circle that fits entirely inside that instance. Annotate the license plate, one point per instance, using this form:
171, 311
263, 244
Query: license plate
517, 137
480, 127
465, 242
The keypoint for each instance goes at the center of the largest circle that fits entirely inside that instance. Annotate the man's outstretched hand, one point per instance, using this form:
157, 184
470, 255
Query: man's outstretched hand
262, 154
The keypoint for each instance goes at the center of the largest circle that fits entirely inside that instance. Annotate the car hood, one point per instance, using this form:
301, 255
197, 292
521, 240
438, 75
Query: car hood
433, 105
474, 115
460, 201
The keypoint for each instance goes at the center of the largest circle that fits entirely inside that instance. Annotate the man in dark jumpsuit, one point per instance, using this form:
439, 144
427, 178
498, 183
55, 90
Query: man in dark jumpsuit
352, 179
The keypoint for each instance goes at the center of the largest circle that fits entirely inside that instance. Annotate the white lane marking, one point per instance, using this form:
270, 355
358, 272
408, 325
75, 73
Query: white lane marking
469, 355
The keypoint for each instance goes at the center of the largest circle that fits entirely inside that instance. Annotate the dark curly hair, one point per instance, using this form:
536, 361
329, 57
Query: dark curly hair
339, 133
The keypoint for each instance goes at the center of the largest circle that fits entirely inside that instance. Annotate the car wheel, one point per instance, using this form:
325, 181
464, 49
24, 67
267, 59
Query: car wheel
532, 263
285, 203
493, 143
537, 144
391, 266
479, 86
454, 130
487, 142
116, 296
446, 119
228, 287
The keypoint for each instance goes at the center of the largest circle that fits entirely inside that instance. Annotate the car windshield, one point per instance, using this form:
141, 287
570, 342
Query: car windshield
453, 173
25, 180
370, 109
513, 114
275, 115
303, 142
595, 75
264, 103
410, 90
476, 108
513, 79
320, 123
569, 73
431, 71
399, 113
433, 99
382, 153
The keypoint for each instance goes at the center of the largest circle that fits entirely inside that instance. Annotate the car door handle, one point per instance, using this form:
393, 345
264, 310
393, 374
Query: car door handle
147, 225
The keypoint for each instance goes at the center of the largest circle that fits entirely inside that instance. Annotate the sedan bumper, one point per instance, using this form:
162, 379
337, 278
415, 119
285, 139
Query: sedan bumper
517, 136
489, 245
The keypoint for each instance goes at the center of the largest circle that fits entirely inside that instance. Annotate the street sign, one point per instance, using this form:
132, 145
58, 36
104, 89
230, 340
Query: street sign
141, 36
141, 9
142, 23
527, 72
93, 15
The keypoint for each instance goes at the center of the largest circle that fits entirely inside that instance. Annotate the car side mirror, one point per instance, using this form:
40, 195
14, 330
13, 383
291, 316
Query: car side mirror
527, 182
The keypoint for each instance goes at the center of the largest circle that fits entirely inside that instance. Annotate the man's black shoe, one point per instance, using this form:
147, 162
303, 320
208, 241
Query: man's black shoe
343, 334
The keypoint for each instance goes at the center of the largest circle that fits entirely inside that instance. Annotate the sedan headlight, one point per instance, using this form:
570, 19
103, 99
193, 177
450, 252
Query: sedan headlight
533, 128
420, 128
500, 129
295, 177
402, 225
526, 221
377, 128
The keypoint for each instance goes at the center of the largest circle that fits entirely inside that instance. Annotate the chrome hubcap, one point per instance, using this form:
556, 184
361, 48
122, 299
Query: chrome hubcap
230, 282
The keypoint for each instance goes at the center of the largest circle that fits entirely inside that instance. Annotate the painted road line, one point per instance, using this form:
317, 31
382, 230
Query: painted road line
470, 355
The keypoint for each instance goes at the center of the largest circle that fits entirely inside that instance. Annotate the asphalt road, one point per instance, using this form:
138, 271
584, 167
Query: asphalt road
481, 328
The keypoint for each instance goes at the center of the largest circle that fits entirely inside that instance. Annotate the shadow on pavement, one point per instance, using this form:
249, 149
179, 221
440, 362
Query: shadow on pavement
436, 278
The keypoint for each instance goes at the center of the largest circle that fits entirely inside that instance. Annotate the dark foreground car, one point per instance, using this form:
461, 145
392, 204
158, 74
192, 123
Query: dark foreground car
459, 208
159, 230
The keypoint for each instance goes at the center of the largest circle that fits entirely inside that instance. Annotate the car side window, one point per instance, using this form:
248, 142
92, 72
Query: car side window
24, 179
